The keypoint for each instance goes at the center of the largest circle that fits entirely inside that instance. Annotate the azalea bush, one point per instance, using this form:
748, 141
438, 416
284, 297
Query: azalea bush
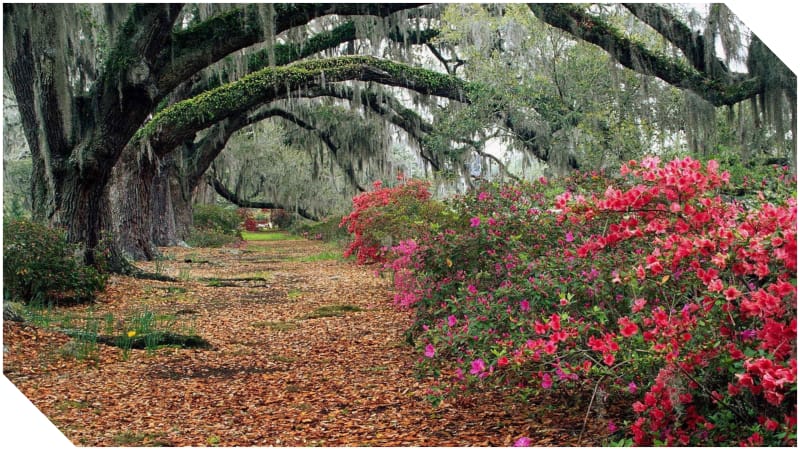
651, 288
387, 215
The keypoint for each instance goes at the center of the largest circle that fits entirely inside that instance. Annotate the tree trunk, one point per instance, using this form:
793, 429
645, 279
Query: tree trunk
162, 209
129, 197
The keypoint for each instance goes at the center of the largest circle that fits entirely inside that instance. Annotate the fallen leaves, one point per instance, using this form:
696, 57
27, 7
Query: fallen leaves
278, 373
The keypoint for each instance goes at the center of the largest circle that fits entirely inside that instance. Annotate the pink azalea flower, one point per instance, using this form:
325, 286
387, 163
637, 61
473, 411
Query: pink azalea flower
569, 237
451, 321
547, 381
474, 222
522, 442
472, 289
478, 367
430, 351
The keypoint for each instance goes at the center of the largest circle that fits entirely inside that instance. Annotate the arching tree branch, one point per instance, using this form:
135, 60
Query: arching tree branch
180, 121
227, 194
635, 56
211, 40
287, 53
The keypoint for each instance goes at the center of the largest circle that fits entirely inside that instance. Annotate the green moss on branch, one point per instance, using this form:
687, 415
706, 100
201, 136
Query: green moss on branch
185, 118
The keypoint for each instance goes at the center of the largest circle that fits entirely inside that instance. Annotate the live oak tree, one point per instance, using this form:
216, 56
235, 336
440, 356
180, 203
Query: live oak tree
126, 107
80, 111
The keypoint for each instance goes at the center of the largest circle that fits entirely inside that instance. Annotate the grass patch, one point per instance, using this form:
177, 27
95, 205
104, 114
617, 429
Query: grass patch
330, 255
294, 294
70, 404
276, 326
131, 439
268, 236
282, 359
175, 290
142, 328
261, 275
331, 311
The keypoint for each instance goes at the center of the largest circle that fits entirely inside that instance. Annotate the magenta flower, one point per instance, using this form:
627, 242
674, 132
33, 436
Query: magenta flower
569, 237
522, 442
474, 222
478, 367
632, 387
472, 289
525, 305
612, 427
547, 381
483, 195
451, 321
430, 351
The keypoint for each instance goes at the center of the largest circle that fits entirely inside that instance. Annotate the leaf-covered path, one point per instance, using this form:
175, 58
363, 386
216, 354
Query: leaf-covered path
307, 351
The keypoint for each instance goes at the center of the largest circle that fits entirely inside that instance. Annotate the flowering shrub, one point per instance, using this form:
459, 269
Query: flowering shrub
248, 221
387, 215
652, 287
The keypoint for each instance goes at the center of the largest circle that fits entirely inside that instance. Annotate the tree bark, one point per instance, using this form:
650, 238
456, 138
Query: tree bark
76, 140
130, 193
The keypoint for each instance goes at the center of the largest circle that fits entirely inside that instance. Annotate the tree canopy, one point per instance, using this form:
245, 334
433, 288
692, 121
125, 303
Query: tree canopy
127, 108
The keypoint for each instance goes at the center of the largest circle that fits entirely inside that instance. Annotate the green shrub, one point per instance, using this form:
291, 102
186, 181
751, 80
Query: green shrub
201, 237
219, 218
39, 265
327, 230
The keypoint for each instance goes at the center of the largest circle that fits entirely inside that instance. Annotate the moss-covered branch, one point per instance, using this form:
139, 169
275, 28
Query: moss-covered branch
636, 56
385, 105
125, 90
209, 41
671, 28
230, 196
180, 121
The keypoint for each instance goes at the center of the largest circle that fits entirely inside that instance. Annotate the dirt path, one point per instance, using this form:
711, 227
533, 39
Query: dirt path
277, 375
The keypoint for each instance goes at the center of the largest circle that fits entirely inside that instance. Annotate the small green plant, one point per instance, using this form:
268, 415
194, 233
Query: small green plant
184, 274
158, 265
86, 342
213, 440
294, 294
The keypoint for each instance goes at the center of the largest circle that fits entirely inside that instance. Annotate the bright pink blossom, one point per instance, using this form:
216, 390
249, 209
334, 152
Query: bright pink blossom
430, 351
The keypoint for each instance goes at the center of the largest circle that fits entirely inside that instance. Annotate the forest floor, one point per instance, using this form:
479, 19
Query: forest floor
283, 369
